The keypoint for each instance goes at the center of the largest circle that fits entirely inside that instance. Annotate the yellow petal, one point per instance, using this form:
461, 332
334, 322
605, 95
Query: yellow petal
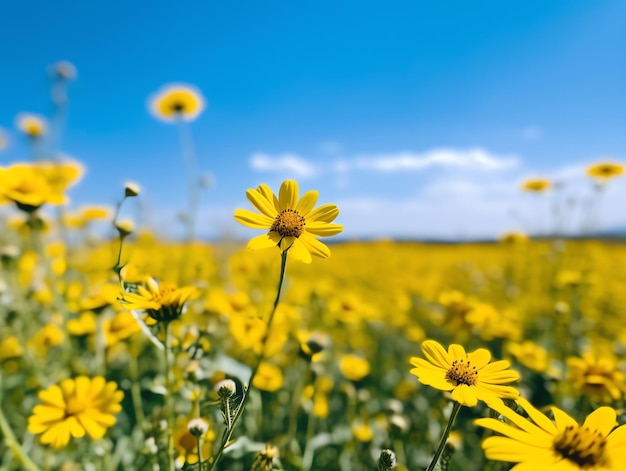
269, 195
314, 246
76, 429
465, 395
288, 195
253, 220
299, 252
456, 352
602, 420
323, 229
306, 203
261, 203
325, 213
479, 358
93, 428
261, 242
435, 353
52, 396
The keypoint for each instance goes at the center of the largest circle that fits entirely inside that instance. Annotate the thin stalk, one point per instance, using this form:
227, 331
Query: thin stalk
199, 453
168, 398
135, 389
444, 437
246, 393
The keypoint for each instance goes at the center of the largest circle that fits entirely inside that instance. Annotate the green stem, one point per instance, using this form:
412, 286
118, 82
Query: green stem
11, 441
135, 389
246, 393
199, 453
168, 397
444, 437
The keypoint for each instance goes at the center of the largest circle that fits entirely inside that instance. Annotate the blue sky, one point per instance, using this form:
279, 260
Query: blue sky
417, 118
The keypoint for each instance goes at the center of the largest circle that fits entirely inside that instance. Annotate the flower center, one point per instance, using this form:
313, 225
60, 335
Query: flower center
581, 445
74, 406
289, 223
178, 107
462, 372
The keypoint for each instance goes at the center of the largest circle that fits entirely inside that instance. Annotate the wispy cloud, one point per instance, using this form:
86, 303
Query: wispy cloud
476, 158
292, 164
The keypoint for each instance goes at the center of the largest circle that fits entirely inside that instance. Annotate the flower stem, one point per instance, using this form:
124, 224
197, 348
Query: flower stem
168, 397
246, 393
199, 453
444, 437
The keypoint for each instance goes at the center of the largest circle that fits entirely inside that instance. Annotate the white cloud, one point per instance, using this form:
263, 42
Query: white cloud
289, 163
476, 158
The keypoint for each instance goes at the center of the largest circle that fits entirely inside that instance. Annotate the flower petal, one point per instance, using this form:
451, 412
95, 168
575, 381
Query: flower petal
314, 246
306, 203
261, 203
465, 395
435, 353
602, 420
456, 352
264, 241
253, 220
323, 229
288, 195
325, 213
299, 252
479, 358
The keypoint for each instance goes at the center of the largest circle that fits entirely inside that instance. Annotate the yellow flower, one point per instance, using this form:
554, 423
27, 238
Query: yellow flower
536, 186
161, 301
353, 367
268, 378
605, 171
75, 407
362, 431
186, 444
531, 355
292, 223
47, 337
514, 237
10, 348
469, 376
597, 376
174, 102
122, 326
30, 186
538, 443
31, 124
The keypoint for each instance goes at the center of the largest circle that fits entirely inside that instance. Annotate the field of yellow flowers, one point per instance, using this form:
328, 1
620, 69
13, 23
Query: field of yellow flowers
136, 353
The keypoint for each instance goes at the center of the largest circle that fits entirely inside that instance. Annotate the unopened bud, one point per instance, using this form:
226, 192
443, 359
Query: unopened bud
387, 460
131, 189
198, 427
124, 227
226, 388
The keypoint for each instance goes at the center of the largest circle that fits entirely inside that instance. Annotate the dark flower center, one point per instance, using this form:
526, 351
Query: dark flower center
462, 372
289, 223
582, 446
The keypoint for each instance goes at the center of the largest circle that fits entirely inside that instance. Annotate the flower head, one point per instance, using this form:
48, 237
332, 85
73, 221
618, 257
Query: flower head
177, 102
75, 407
31, 124
537, 185
597, 375
292, 223
161, 301
469, 376
604, 171
560, 445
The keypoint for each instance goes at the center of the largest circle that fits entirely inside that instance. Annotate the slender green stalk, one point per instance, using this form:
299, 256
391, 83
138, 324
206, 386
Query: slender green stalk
135, 388
228, 432
199, 453
167, 406
11, 441
444, 436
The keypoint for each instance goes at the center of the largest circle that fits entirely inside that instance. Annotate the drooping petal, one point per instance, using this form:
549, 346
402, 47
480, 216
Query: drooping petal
288, 195
314, 246
466, 395
253, 220
306, 203
299, 252
323, 229
261, 203
264, 241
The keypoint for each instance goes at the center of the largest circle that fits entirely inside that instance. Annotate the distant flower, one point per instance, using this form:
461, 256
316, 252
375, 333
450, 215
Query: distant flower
163, 301
538, 443
186, 443
177, 102
531, 355
597, 376
31, 124
268, 378
74, 408
469, 376
63, 70
354, 367
10, 348
293, 224
537, 185
513, 238
604, 171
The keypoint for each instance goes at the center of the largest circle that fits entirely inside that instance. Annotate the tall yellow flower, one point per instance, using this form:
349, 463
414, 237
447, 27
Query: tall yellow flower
538, 443
293, 224
75, 407
469, 376
604, 171
177, 102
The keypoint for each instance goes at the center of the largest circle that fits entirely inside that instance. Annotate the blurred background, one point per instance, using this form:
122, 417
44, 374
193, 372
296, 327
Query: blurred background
420, 120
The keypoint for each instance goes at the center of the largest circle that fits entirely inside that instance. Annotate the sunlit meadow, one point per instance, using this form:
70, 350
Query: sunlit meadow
121, 350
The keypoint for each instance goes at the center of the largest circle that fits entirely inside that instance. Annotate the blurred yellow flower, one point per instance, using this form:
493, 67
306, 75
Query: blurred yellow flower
31, 124
174, 102
10, 348
47, 337
513, 237
469, 376
84, 324
531, 355
538, 443
32, 185
605, 171
161, 301
362, 431
292, 223
75, 407
119, 328
597, 376
536, 185
354, 367
268, 378
186, 444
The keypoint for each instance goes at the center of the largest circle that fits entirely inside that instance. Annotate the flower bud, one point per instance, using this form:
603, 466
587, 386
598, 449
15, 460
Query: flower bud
387, 460
198, 427
131, 190
226, 388
124, 227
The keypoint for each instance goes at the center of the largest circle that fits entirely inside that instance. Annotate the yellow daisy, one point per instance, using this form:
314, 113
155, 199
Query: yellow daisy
293, 224
538, 443
177, 102
537, 185
75, 407
605, 171
469, 376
